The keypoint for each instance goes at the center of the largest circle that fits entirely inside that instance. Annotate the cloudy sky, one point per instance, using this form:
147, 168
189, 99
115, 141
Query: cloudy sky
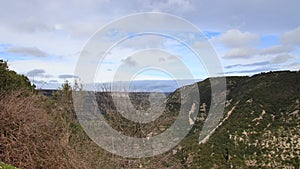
44, 39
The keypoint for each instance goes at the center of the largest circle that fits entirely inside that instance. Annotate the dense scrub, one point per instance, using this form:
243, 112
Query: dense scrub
10, 80
31, 137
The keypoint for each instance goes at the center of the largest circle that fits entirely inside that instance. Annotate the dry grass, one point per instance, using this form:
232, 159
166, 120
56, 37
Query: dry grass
30, 137
38, 132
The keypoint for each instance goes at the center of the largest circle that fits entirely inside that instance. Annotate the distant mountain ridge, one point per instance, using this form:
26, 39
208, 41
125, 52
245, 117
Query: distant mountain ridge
136, 85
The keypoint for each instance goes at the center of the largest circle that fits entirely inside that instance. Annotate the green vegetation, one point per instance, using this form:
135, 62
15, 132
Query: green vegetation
5, 166
261, 132
10, 80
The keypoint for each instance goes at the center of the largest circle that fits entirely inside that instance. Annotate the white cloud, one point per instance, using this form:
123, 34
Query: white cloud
144, 41
170, 5
209, 15
27, 51
129, 62
282, 58
53, 68
235, 38
242, 53
275, 50
61, 28
292, 66
67, 76
36, 72
59, 44
291, 37
31, 26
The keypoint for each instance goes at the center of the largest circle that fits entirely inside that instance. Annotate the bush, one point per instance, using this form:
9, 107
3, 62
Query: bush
10, 80
30, 137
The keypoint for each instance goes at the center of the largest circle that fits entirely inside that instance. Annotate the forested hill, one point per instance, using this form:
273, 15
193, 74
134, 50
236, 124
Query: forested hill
260, 127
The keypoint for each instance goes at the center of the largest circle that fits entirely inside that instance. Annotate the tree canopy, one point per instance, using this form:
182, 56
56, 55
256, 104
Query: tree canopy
10, 80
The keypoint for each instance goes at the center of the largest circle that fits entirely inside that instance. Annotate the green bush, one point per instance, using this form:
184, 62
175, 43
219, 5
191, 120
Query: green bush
5, 166
10, 80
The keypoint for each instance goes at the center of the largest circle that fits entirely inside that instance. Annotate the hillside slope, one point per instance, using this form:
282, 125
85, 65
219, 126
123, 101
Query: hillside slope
260, 127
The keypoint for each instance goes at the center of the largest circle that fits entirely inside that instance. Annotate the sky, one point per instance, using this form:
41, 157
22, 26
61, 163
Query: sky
46, 39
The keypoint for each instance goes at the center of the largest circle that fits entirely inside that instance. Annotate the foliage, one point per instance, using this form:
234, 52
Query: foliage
261, 132
5, 166
10, 80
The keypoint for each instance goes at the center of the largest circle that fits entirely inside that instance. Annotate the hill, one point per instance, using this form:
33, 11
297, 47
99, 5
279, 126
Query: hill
260, 127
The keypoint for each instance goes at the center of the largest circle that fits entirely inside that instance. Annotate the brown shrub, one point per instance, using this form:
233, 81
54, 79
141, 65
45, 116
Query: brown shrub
30, 137
38, 132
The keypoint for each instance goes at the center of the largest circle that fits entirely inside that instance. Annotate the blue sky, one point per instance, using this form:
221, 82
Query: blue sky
45, 39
